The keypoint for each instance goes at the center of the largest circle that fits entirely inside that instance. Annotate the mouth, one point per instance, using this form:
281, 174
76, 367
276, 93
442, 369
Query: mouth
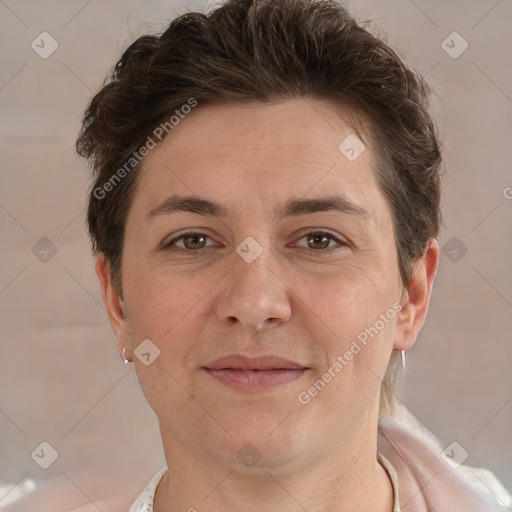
254, 374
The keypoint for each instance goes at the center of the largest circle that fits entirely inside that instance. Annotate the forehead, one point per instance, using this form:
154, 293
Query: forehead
236, 152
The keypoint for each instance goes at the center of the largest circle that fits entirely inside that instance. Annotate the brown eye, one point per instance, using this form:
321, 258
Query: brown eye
319, 240
189, 241
194, 241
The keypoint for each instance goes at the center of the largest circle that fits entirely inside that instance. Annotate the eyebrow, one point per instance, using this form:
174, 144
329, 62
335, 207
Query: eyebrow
293, 207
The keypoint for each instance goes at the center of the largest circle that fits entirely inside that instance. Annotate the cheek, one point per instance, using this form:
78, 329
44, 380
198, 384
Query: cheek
161, 302
360, 313
353, 299
167, 309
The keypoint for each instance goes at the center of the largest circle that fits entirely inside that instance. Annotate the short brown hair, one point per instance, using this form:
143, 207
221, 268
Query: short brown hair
265, 51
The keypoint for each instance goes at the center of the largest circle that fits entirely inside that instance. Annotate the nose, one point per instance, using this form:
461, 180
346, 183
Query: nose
253, 295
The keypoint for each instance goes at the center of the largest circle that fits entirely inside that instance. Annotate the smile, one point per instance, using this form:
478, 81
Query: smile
258, 374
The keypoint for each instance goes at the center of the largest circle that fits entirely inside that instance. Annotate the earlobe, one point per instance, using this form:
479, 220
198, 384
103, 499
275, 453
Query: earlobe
416, 298
113, 303
405, 322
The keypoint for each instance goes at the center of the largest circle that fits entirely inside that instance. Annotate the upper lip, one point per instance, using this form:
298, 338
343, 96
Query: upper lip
238, 362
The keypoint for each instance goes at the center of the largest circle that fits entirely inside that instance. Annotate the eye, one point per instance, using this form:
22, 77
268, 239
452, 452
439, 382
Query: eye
192, 241
319, 240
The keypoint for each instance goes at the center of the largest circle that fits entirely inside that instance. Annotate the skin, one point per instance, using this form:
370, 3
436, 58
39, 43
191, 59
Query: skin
298, 299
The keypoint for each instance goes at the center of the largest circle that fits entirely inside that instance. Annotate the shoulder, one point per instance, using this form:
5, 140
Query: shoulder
144, 503
426, 482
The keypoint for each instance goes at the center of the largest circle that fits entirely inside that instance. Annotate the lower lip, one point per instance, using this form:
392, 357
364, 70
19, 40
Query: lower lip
259, 380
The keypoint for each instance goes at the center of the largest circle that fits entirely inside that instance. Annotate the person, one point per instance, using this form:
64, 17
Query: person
264, 214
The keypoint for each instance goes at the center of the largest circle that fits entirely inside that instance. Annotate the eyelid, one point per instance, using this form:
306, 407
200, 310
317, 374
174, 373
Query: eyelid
170, 242
340, 240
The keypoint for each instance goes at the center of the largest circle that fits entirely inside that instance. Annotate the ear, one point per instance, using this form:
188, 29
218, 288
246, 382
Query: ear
416, 298
113, 304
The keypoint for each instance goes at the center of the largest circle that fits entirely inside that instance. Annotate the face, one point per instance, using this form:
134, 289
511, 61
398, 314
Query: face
273, 297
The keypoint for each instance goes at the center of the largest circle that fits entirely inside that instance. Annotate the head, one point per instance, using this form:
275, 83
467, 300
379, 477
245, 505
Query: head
254, 106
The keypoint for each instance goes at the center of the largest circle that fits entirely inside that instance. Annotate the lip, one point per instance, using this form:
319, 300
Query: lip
254, 374
237, 362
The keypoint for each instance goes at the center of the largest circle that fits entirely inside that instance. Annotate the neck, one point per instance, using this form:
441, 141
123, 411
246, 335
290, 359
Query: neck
348, 479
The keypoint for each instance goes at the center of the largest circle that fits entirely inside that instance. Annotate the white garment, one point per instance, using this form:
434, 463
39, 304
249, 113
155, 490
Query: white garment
144, 503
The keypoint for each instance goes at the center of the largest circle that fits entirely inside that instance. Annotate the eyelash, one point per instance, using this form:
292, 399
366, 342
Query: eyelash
170, 245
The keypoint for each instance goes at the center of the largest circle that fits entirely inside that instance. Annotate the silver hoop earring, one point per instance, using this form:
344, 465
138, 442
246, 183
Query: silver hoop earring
126, 361
403, 372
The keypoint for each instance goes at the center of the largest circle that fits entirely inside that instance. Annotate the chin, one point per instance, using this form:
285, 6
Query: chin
262, 441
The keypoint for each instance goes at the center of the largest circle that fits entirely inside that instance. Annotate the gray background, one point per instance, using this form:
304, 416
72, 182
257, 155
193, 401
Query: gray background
61, 379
